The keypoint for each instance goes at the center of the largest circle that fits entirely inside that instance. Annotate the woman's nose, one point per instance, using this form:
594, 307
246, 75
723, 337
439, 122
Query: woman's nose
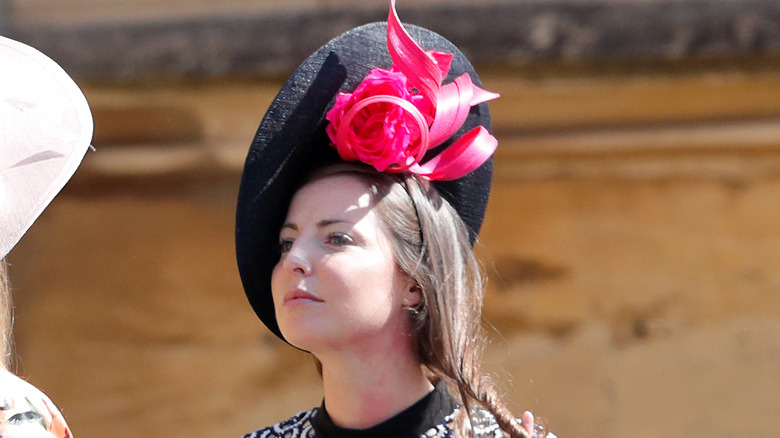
297, 262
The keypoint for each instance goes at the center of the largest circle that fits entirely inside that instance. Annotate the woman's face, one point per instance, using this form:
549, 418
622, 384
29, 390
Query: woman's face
337, 285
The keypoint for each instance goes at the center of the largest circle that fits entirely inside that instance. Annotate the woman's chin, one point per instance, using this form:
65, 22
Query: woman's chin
303, 336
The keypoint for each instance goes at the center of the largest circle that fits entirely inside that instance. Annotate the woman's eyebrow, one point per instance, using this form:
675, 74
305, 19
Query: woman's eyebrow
321, 224
325, 222
289, 226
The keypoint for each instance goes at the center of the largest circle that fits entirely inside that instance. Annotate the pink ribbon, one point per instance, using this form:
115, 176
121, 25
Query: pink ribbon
426, 71
438, 111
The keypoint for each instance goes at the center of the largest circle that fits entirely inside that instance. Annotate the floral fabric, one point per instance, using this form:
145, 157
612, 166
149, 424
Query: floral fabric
26, 412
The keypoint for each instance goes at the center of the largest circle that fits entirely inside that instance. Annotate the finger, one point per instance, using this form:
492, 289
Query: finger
528, 422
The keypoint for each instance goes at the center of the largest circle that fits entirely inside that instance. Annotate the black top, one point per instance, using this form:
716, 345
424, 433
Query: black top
414, 421
430, 417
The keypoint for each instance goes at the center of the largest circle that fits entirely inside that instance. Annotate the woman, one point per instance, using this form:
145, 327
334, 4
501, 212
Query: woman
45, 129
370, 266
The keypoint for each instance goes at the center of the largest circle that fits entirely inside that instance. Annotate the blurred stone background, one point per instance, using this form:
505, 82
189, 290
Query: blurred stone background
632, 237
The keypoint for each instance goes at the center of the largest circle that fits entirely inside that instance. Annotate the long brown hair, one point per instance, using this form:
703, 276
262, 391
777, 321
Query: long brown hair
431, 245
6, 317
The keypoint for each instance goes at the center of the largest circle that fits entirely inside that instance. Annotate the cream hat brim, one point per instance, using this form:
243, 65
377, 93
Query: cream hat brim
45, 130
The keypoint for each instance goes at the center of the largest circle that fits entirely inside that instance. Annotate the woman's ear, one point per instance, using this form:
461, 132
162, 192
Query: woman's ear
413, 295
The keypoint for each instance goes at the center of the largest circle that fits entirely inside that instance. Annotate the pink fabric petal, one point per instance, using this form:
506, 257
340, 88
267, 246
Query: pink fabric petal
345, 152
443, 61
461, 158
411, 59
480, 95
454, 104
455, 101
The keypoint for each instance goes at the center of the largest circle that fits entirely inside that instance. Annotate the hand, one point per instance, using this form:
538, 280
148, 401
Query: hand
536, 428
527, 421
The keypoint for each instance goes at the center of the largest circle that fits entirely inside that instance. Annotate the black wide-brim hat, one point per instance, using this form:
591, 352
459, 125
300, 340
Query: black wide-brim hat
291, 143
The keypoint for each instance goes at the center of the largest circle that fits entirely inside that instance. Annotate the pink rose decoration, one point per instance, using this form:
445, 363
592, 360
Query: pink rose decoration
382, 132
394, 116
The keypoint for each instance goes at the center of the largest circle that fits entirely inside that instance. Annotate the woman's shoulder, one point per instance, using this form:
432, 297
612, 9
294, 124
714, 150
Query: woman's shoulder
485, 426
299, 425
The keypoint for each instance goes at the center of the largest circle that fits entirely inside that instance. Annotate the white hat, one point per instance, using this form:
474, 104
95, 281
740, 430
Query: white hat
45, 130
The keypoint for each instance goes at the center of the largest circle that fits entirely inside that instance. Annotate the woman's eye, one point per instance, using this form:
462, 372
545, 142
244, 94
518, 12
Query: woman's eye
340, 239
285, 245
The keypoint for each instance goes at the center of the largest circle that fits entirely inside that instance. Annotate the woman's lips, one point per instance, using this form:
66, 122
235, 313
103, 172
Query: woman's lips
299, 297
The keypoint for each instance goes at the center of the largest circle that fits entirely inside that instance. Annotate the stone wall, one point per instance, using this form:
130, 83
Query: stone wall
195, 39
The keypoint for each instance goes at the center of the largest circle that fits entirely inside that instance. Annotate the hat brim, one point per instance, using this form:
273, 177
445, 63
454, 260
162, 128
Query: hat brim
291, 142
45, 130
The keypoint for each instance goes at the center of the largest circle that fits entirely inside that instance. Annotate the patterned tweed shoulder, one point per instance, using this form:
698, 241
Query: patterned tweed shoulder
483, 423
298, 426
443, 429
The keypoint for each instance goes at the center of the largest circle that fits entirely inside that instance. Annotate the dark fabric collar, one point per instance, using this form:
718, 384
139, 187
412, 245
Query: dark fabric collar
411, 422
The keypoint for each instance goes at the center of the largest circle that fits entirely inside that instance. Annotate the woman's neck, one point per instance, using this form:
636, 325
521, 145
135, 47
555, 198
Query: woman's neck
367, 388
